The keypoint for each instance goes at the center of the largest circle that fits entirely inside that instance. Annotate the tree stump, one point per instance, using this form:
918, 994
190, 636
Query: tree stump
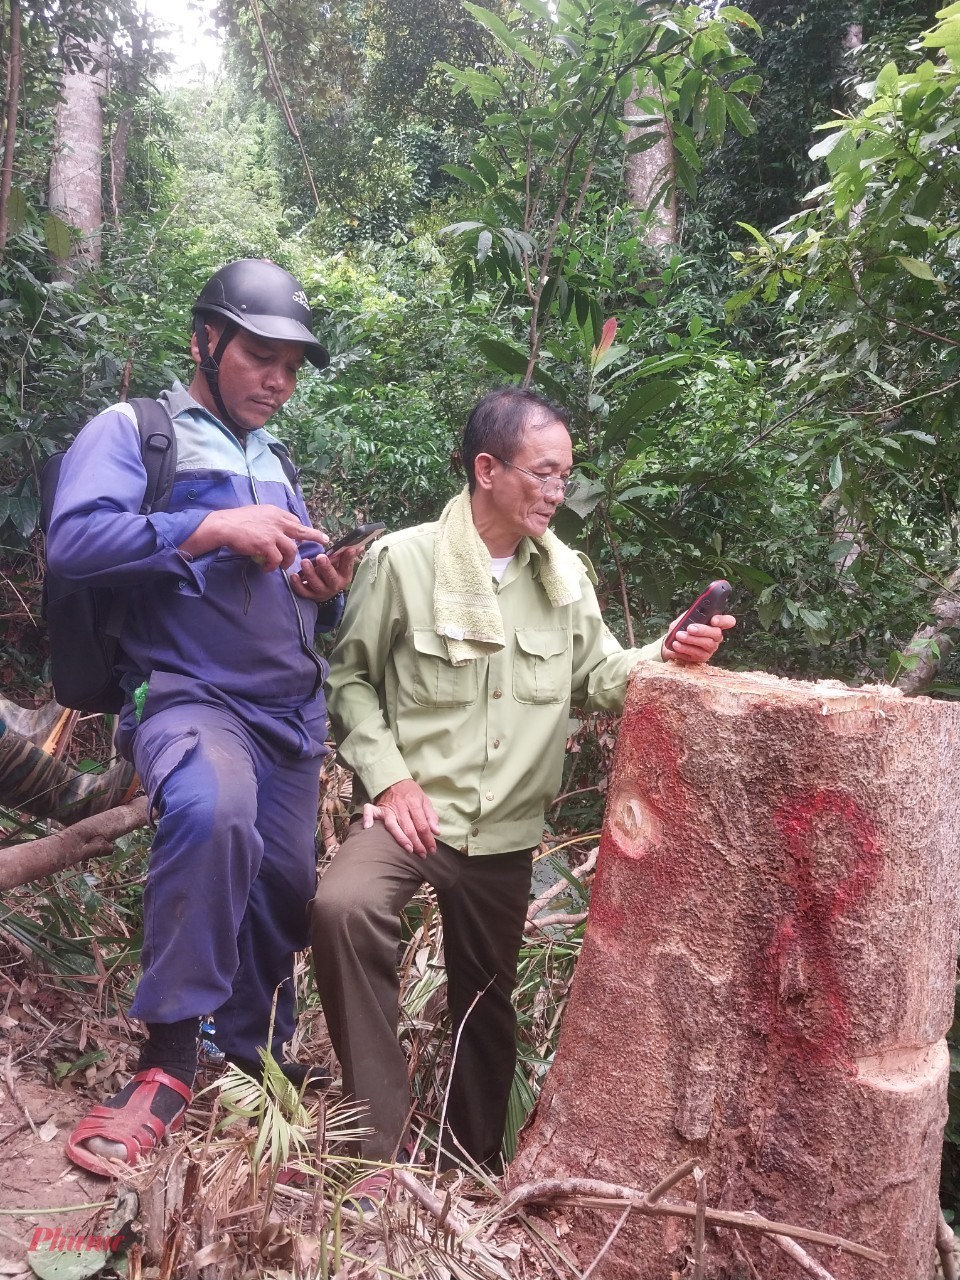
768, 973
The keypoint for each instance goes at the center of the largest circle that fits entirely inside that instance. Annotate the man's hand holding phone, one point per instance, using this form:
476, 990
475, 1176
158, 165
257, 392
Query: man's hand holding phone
327, 575
697, 634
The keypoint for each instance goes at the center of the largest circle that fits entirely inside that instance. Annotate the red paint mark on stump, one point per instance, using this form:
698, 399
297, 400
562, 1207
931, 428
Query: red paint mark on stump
647, 772
808, 1014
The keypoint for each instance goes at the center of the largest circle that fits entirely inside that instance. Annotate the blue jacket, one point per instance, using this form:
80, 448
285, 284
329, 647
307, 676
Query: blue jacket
216, 621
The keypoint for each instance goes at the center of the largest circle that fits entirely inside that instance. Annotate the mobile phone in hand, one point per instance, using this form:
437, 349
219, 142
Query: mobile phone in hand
712, 601
358, 537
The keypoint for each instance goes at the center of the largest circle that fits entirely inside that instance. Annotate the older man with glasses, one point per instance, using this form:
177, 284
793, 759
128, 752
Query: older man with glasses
464, 644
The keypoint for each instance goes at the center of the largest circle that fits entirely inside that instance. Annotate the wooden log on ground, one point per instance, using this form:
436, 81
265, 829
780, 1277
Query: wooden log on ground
768, 973
89, 838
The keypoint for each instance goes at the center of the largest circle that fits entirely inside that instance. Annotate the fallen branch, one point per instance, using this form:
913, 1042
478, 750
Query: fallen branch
700, 1229
437, 1206
800, 1256
558, 887
14, 1092
558, 917
595, 1194
90, 838
621, 1222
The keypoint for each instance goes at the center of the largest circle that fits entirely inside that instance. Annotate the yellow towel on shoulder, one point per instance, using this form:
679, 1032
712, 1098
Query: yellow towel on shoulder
466, 613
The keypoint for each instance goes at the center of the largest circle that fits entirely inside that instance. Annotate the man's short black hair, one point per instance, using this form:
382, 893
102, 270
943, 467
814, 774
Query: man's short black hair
499, 422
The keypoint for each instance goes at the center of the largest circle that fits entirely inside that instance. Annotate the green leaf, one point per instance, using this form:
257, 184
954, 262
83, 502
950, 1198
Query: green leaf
740, 117
689, 89
836, 473
612, 353
16, 211
888, 81
505, 357
918, 269
486, 170
716, 112
506, 37
57, 235
459, 228
80, 1264
757, 235
817, 624
584, 496
467, 176
820, 150
838, 551
481, 87
649, 398
729, 13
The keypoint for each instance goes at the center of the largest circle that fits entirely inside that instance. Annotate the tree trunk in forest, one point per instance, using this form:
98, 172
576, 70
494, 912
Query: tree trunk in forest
650, 178
75, 171
768, 973
11, 104
132, 76
931, 645
119, 145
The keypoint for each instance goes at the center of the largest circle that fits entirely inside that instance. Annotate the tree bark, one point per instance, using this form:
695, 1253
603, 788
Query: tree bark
932, 644
768, 971
650, 178
11, 105
90, 838
76, 193
132, 76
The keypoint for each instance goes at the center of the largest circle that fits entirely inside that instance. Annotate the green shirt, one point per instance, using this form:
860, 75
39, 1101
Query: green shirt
484, 740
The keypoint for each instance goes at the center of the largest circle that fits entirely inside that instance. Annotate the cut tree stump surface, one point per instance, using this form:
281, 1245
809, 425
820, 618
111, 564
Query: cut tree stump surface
768, 971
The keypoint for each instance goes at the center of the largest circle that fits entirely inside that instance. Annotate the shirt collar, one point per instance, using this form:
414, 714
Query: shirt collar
178, 400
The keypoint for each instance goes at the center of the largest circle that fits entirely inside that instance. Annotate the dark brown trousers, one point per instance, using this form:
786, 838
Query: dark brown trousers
356, 933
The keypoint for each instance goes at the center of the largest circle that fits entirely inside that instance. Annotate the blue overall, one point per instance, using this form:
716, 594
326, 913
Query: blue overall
230, 740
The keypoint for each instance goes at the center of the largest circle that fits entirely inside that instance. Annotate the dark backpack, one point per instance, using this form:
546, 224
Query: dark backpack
83, 622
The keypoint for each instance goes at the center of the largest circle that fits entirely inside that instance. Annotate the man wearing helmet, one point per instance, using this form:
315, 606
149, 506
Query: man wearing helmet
225, 719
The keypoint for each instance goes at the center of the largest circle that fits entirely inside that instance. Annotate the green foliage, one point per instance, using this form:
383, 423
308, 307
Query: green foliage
806, 66
226, 198
374, 436
555, 91
864, 272
362, 93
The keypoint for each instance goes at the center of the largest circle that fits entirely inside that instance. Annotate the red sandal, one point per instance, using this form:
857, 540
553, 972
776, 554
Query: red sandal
134, 1125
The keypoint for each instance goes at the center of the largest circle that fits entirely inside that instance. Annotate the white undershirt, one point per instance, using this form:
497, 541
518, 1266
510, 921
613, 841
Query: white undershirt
498, 566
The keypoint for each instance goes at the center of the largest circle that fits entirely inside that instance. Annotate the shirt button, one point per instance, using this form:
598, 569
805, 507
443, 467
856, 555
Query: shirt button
498, 693
191, 493
182, 584
475, 831
496, 742
489, 795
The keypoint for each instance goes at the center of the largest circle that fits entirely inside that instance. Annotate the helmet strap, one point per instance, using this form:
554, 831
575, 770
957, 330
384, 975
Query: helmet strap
210, 367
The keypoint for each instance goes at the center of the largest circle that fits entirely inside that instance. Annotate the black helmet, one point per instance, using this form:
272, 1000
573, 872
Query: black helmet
262, 298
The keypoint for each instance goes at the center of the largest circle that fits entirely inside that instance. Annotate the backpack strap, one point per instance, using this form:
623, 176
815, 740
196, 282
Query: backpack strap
158, 447
290, 469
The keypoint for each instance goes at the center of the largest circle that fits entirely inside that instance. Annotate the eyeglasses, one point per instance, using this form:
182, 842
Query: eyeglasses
547, 484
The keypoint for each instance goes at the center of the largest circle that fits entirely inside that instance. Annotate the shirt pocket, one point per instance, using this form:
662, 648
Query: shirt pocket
436, 681
541, 666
